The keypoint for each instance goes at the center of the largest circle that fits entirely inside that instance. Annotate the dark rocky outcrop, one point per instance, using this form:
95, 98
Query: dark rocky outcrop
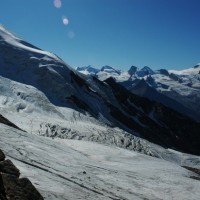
132, 70
196, 172
163, 72
11, 186
8, 167
2, 156
174, 77
3, 120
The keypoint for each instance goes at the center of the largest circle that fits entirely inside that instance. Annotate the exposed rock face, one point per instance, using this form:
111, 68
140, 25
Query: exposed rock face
3, 120
8, 167
2, 156
11, 186
132, 70
196, 171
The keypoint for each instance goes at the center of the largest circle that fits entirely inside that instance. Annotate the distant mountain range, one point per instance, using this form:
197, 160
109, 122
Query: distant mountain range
179, 90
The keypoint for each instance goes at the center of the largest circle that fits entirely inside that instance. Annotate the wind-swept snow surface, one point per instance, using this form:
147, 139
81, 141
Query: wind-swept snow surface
71, 169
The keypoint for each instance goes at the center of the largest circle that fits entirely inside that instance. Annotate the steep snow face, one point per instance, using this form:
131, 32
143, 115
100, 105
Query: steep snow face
69, 169
27, 64
63, 86
21, 62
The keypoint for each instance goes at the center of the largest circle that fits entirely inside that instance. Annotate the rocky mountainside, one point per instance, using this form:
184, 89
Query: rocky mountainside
142, 88
37, 81
13, 187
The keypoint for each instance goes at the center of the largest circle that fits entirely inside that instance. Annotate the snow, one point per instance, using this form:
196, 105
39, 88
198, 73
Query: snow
72, 169
189, 71
88, 70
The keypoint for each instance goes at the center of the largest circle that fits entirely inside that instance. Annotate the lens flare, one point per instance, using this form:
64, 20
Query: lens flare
65, 20
57, 3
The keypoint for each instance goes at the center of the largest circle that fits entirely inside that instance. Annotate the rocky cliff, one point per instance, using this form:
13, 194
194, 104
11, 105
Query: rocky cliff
12, 187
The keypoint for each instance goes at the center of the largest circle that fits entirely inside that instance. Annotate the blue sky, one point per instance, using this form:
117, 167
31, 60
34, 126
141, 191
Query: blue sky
119, 33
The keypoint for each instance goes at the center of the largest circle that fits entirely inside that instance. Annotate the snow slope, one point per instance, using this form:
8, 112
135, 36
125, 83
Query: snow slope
71, 169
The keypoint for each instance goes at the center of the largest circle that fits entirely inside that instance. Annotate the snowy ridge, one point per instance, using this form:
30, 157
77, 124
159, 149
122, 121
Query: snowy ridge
10, 38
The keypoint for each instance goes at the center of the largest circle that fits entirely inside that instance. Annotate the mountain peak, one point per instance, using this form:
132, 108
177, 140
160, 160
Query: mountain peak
88, 70
132, 70
163, 72
109, 69
145, 71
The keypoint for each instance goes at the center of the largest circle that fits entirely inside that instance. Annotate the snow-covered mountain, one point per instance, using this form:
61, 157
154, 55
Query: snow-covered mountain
52, 98
105, 72
179, 90
43, 96
88, 70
